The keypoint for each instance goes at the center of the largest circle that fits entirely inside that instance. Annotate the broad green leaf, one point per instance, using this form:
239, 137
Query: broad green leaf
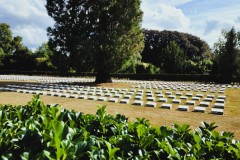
6, 157
56, 111
48, 155
58, 127
147, 141
111, 151
141, 130
60, 153
215, 134
25, 156
197, 138
185, 127
81, 146
220, 144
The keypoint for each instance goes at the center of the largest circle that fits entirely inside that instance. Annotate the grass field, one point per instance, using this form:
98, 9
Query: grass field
229, 122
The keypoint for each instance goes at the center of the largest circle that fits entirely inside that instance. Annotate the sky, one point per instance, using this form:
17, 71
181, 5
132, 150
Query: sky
203, 18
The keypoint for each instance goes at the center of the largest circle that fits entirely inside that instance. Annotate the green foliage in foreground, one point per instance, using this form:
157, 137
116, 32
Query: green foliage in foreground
38, 131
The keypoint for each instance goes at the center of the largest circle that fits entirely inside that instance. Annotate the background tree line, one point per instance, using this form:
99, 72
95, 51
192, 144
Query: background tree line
164, 52
176, 52
226, 60
15, 56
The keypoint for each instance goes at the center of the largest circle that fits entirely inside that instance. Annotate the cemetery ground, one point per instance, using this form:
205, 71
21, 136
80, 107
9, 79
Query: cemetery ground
229, 122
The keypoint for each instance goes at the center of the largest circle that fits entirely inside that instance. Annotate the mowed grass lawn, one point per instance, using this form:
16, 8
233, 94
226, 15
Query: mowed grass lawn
229, 122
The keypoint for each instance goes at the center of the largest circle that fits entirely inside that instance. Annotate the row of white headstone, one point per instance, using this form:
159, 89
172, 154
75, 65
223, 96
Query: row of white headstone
139, 94
137, 83
111, 93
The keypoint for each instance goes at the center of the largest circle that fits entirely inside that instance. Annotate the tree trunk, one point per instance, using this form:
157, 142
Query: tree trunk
103, 77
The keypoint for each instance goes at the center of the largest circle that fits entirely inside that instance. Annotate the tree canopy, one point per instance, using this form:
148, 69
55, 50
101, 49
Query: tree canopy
8, 43
98, 35
196, 51
15, 56
173, 58
227, 56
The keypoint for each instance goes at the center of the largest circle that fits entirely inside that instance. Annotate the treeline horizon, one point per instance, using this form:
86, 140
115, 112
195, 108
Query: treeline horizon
164, 52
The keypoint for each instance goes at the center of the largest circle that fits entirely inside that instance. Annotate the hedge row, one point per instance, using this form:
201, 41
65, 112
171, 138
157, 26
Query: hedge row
44, 132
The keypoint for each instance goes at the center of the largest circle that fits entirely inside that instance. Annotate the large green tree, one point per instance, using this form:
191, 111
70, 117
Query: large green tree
197, 52
103, 35
13, 54
44, 58
173, 58
6, 38
227, 56
8, 43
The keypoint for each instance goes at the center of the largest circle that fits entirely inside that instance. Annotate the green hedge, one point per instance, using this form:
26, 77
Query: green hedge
38, 131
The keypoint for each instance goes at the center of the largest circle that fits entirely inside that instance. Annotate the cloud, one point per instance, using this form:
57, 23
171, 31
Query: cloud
209, 18
214, 25
238, 19
211, 25
28, 19
212, 37
161, 16
218, 25
166, 2
33, 35
203, 18
210, 30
